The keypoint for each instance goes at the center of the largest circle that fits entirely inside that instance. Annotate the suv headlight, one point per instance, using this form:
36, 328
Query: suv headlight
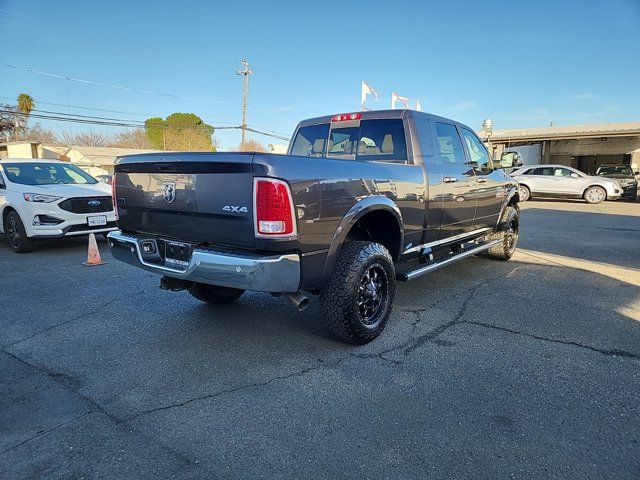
40, 198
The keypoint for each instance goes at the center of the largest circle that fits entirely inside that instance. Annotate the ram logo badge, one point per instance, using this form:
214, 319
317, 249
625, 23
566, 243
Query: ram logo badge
169, 191
235, 209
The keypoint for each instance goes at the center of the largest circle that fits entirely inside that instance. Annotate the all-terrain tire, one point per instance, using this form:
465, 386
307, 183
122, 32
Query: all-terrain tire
214, 294
595, 195
507, 231
16, 234
363, 277
524, 193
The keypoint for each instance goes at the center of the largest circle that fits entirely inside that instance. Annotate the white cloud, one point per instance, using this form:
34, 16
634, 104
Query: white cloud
463, 106
584, 96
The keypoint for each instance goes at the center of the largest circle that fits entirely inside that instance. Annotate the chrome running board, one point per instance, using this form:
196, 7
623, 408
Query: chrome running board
435, 265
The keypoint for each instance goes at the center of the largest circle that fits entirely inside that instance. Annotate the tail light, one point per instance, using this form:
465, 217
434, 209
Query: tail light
273, 208
113, 196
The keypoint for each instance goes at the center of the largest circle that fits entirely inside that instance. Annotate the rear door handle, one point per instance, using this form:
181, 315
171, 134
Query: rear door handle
449, 179
481, 180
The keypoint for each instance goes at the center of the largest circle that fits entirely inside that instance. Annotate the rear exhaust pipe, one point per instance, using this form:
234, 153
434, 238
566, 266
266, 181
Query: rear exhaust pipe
299, 300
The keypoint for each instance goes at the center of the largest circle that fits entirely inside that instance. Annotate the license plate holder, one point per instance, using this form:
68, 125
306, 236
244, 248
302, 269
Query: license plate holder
97, 221
177, 254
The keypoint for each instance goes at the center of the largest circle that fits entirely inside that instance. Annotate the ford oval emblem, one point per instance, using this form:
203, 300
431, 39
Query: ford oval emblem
94, 203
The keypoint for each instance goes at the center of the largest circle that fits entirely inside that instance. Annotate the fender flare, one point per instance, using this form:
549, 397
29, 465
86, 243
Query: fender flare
367, 205
513, 191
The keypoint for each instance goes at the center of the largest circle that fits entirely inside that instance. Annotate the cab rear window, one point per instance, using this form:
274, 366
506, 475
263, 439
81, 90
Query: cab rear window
376, 140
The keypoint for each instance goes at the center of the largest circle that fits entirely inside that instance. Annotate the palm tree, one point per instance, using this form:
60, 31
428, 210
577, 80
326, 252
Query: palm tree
25, 106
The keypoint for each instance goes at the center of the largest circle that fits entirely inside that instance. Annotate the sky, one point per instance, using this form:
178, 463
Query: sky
522, 64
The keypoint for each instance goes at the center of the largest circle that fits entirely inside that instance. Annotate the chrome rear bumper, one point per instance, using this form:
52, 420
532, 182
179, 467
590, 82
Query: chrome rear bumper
279, 273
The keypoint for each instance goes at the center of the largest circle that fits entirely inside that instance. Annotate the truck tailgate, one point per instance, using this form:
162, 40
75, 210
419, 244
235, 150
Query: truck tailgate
200, 198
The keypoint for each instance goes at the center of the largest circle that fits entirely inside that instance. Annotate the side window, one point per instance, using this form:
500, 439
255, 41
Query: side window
382, 140
478, 153
562, 172
311, 141
546, 171
449, 143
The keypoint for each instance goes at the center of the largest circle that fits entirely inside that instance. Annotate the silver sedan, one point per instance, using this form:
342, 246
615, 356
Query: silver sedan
563, 181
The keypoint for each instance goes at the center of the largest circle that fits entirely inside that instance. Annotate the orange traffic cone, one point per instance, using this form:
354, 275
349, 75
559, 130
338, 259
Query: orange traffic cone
93, 255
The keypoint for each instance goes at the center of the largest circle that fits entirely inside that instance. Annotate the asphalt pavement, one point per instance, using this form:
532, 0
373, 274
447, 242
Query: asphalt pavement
487, 370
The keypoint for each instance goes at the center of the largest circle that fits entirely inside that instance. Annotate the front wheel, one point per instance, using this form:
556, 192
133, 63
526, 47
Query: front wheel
214, 294
356, 302
16, 234
508, 232
595, 195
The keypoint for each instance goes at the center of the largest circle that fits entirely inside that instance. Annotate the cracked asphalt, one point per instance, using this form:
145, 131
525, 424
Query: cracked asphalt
520, 369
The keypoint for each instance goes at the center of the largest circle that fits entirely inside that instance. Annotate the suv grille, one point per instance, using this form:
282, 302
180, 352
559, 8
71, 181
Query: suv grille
87, 204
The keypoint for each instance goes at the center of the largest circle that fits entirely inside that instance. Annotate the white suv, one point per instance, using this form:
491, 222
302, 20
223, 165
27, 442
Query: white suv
50, 198
562, 181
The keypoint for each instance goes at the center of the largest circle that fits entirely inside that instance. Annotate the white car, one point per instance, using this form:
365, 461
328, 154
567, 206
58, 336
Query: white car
563, 181
50, 198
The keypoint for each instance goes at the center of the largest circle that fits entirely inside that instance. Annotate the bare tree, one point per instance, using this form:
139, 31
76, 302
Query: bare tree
7, 122
39, 134
136, 138
251, 145
86, 139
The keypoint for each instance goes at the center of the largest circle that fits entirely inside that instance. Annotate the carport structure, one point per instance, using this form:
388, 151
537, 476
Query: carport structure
584, 147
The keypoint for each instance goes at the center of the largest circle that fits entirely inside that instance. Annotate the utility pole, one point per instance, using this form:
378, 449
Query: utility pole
244, 73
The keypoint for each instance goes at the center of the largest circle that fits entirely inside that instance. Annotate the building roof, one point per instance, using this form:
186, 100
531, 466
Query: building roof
56, 148
19, 142
570, 131
107, 155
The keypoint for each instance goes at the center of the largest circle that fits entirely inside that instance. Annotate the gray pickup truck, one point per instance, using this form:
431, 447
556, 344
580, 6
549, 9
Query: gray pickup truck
362, 201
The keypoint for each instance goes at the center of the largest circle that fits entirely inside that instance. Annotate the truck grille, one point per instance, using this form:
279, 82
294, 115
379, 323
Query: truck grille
87, 204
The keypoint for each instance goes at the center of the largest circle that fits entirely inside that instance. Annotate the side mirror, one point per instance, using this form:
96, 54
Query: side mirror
575, 175
510, 160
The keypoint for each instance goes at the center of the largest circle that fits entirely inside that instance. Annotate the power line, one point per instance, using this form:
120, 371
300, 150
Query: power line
114, 122
138, 90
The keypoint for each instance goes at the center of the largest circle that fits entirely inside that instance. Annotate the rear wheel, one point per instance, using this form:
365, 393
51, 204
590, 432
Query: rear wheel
214, 294
595, 195
524, 193
507, 231
356, 302
16, 234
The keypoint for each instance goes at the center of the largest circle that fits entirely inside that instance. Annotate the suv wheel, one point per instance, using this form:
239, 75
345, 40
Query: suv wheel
507, 231
595, 195
524, 193
16, 234
214, 294
356, 302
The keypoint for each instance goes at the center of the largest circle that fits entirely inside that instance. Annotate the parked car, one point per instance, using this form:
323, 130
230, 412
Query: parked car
625, 176
362, 200
50, 198
563, 181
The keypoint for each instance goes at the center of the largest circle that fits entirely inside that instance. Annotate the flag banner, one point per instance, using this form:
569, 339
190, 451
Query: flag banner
397, 98
367, 90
